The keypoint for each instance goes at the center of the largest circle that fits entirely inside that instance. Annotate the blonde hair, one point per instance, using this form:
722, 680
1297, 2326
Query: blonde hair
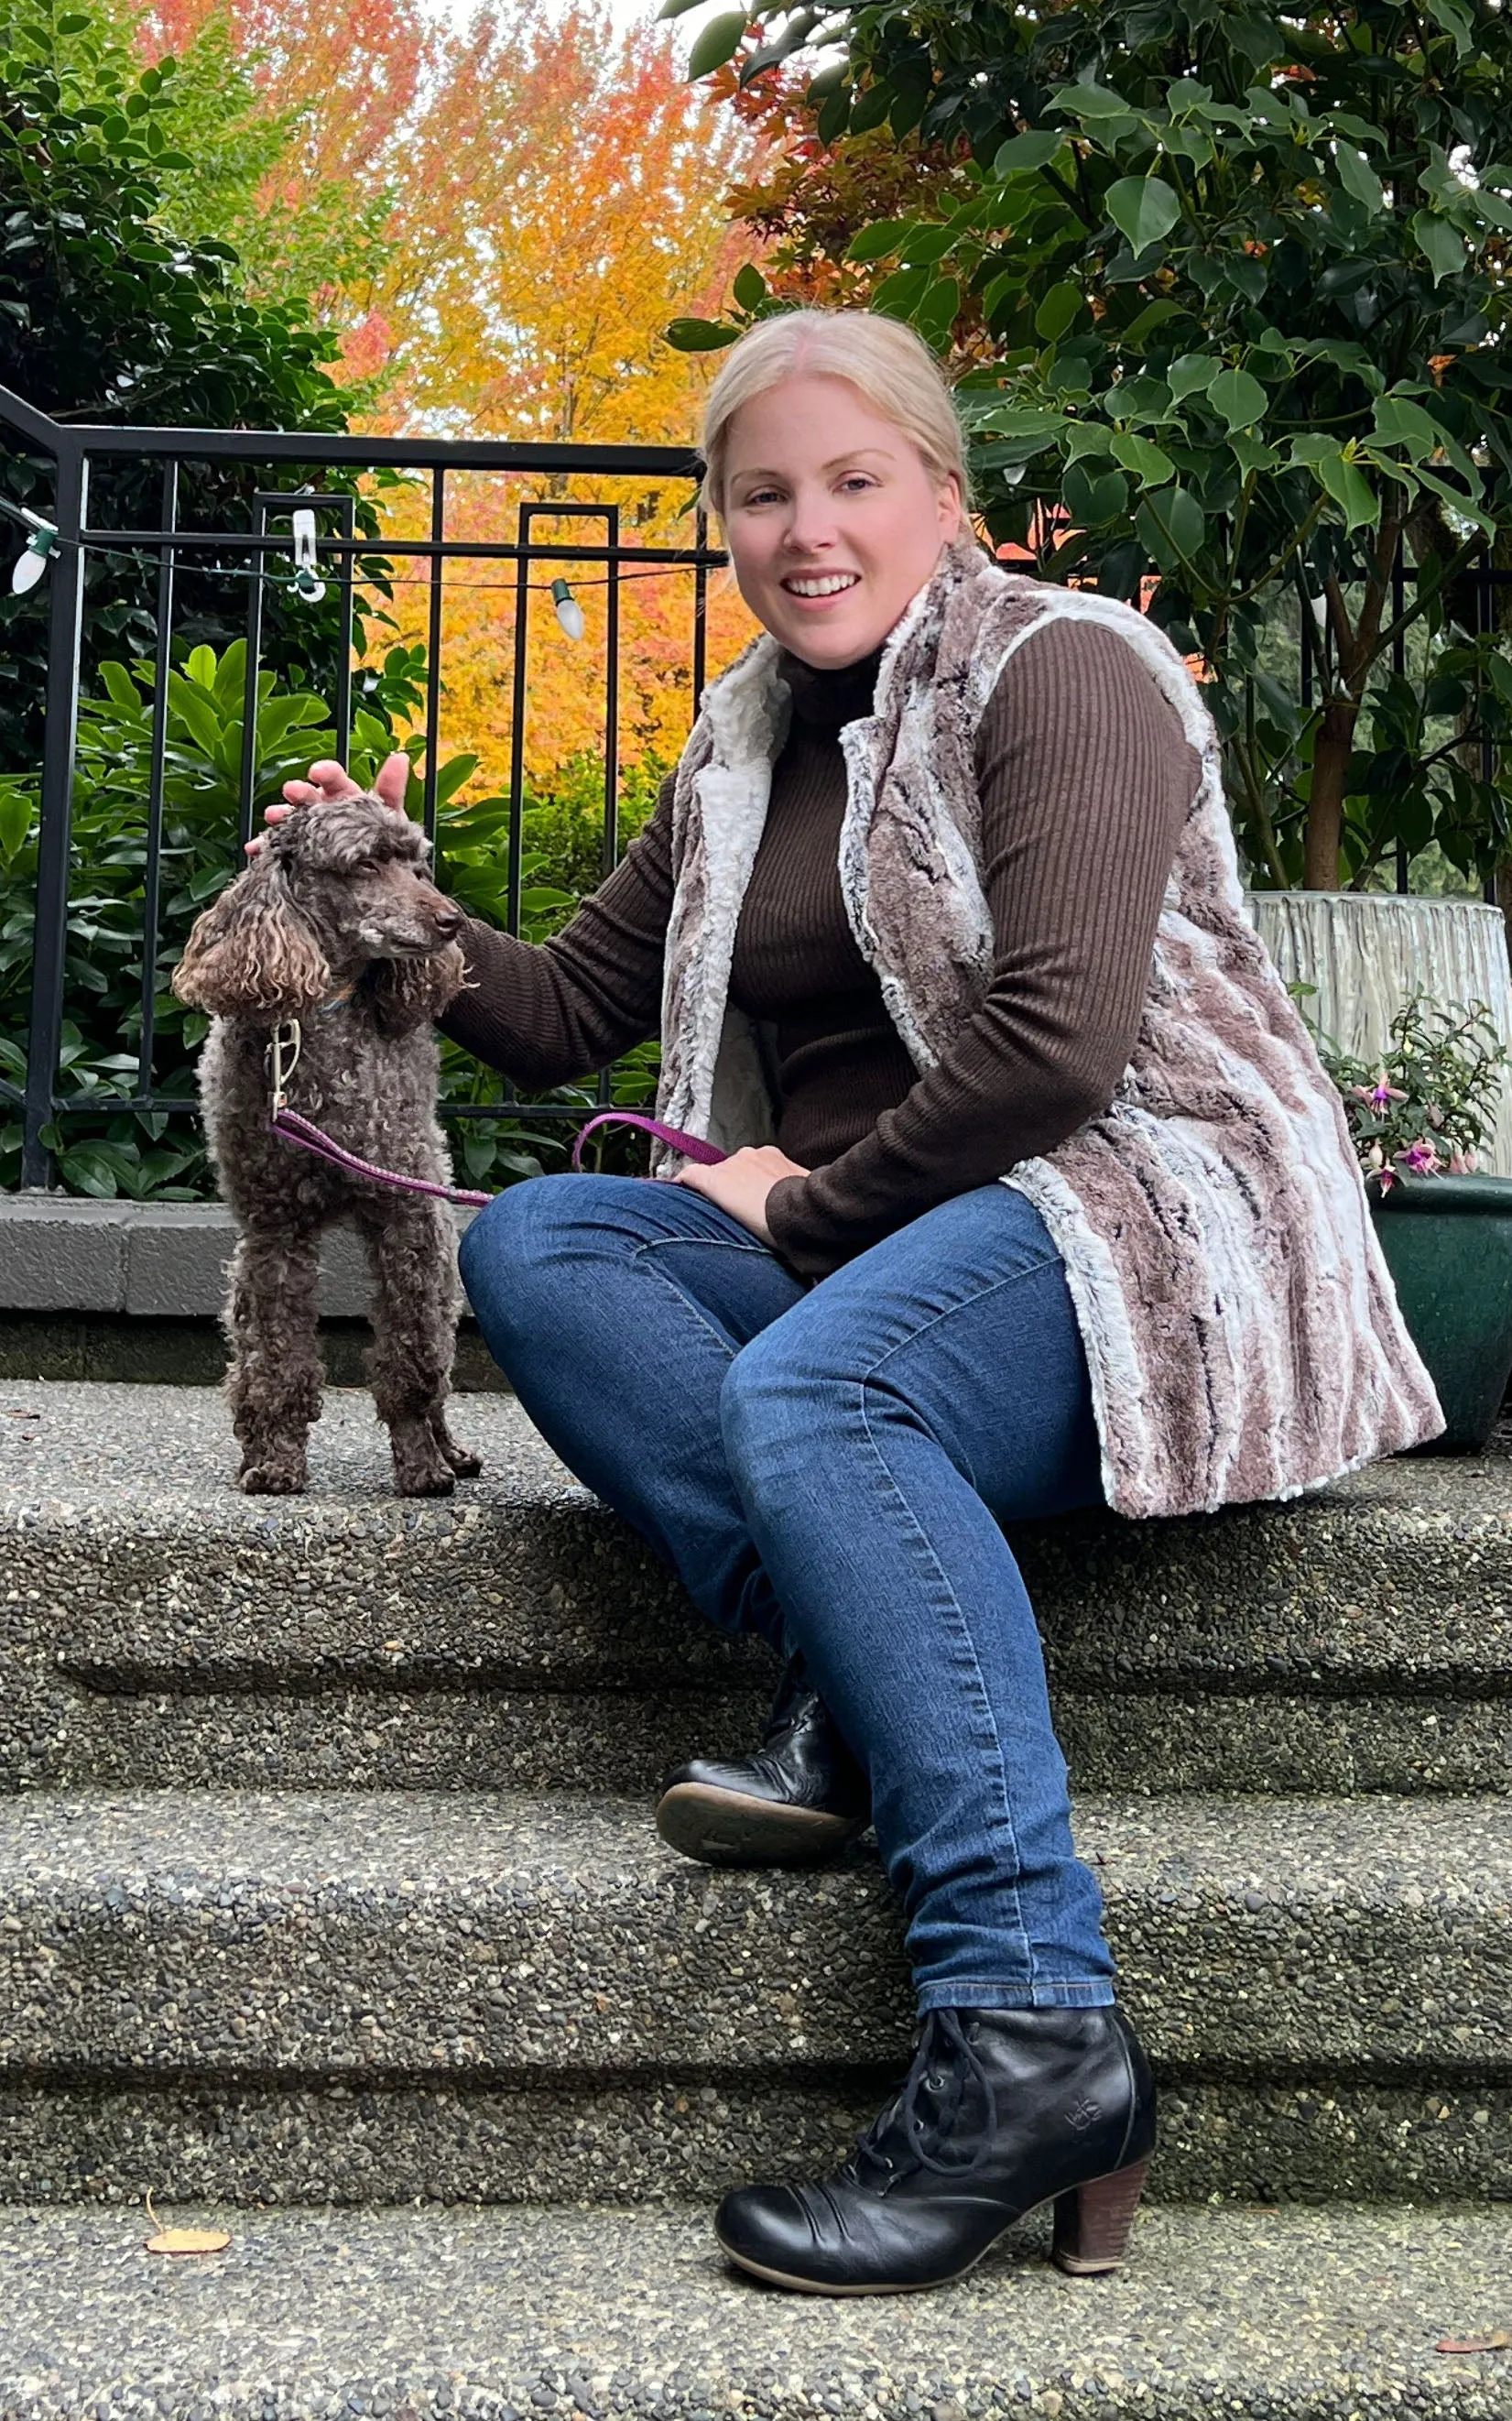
883, 359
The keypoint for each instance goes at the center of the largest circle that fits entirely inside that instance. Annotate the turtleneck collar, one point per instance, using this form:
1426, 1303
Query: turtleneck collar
827, 699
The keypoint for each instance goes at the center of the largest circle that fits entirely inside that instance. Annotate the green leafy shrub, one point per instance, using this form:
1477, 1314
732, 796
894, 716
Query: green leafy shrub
1225, 293
159, 1154
561, 863
112, 310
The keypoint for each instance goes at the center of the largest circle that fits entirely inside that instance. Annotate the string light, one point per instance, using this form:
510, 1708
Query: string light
31, 562
372, 580
568, 612
306, 583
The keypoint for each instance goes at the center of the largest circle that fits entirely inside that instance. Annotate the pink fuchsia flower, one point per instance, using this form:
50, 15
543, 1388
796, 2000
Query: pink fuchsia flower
1463, 1164
1377, 1096
1420, 1158
1387, 1181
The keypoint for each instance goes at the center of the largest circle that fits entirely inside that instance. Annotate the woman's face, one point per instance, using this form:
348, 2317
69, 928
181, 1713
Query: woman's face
832, 520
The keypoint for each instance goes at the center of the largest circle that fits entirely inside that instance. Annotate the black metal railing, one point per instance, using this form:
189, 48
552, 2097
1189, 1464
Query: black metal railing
75, 451
346, 550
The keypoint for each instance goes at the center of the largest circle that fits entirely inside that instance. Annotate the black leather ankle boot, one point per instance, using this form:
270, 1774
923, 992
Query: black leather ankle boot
799, 1800
1002, 2110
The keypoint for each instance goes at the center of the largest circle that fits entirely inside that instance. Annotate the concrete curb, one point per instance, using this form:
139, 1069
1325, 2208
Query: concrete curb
150, 1259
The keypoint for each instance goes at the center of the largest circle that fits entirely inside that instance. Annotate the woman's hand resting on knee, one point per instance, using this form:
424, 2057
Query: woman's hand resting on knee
329, 780
741, 1183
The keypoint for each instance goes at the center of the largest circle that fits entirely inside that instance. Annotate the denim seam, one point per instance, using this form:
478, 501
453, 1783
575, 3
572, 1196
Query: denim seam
960, 1621
701, 1243
709, 1243
954, 1995
1016, 1984
962, 1630
1049, 1260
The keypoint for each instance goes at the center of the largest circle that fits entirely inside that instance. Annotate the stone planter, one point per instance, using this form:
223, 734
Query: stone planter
1367, 951
1448, 1245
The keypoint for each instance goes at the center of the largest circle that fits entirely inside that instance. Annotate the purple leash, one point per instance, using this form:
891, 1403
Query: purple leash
690, 1147
288, 1124
294, 1128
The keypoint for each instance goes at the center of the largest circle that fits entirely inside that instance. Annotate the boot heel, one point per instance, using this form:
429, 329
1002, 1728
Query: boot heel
1092, 2222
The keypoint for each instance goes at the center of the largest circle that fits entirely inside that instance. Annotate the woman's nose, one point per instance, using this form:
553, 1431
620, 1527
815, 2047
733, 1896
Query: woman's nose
810, 526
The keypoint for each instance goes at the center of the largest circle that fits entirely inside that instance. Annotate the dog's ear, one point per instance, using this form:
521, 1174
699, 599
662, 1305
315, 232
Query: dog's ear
252, 953
407, 992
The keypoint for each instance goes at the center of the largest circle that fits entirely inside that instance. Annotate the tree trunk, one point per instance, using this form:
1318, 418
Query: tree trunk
1354, 652
1331, 751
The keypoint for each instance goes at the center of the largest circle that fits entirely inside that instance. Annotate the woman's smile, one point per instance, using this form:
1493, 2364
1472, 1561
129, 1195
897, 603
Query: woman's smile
816, 586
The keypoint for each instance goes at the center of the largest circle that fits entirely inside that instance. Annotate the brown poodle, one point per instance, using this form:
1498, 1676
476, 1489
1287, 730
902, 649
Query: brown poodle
336, 923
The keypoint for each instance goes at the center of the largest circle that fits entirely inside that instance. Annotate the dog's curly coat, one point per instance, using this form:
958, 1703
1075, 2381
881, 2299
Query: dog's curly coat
337, 923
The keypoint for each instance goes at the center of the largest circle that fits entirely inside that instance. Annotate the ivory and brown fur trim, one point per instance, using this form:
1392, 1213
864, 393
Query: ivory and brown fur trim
1240, 1322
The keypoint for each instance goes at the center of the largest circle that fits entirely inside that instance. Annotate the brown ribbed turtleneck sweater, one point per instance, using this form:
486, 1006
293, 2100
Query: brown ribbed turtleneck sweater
1086, 779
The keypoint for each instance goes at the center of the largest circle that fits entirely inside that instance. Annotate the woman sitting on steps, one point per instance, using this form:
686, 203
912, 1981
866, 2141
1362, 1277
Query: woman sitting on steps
1037, 1197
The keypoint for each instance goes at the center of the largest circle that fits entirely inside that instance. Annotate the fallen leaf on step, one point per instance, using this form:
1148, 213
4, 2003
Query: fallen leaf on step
183, 2240
1495, 2341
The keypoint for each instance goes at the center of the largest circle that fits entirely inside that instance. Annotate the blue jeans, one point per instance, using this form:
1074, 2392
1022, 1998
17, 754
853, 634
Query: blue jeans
827, 1464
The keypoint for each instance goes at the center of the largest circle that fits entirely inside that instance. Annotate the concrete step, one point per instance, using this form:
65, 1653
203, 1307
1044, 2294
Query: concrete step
542, 1989
1315, 2316
159, 1626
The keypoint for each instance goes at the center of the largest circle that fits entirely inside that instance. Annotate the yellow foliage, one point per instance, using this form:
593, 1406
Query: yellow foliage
566, 680
558, 195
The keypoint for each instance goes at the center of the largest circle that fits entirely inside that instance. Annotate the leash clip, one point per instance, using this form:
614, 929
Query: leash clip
285, 1037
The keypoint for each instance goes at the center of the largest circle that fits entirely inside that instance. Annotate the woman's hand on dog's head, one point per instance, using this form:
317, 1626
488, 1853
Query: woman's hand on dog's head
328, 780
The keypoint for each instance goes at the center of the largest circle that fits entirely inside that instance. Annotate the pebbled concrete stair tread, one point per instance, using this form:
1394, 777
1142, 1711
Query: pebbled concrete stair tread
234, 1930
89, 1440
96, 1444
135, 1562
522, 2314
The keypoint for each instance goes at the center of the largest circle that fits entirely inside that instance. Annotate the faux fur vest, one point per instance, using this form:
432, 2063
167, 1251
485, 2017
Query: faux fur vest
1240, 1325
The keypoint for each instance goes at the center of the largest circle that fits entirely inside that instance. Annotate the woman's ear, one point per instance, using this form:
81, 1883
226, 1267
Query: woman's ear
951, 507
252, 953
407, 992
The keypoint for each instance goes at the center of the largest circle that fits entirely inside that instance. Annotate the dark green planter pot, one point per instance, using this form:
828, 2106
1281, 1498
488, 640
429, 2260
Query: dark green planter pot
1448, 1245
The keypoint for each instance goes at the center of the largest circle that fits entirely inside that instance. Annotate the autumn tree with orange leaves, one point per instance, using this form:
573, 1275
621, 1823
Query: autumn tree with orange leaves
549, 198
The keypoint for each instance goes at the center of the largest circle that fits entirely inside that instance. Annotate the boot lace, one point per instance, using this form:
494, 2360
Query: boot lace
909, 2121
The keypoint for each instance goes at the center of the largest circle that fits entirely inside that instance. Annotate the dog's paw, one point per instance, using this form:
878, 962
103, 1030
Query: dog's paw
424, 1483
456, 1458
271, 1479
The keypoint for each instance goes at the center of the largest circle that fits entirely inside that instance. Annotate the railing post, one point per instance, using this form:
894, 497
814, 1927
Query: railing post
65, 627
